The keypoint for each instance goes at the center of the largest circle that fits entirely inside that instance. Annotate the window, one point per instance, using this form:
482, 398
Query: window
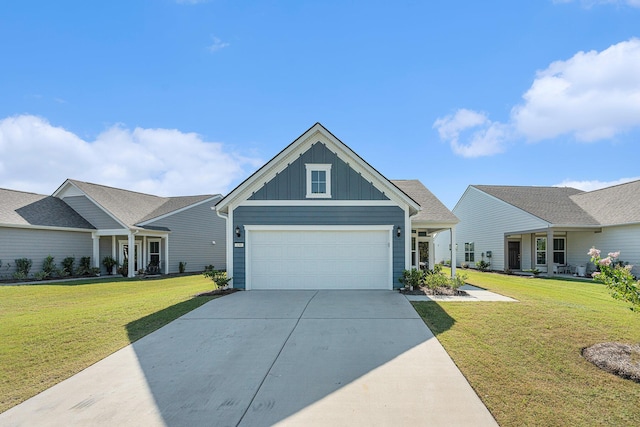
469, 252
541, 250
318, 180
154, 252
559, 251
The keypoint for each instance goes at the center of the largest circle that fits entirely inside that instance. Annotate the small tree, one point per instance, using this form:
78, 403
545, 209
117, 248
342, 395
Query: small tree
616, 277
412, 278
219, 278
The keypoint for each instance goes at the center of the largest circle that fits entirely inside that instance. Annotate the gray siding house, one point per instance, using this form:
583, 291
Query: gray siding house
546, 228
317, 216
84, 219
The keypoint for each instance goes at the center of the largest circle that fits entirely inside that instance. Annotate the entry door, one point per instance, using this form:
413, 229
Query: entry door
124, 254
514, 255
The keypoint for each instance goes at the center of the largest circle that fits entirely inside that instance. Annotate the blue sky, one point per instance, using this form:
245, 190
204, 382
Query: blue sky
186, 97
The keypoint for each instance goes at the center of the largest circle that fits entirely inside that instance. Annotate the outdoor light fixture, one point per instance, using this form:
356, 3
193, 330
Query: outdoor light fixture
398, 231
237, 231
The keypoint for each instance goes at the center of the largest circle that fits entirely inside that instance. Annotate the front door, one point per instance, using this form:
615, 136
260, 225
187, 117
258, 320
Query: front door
514, 255
124, 254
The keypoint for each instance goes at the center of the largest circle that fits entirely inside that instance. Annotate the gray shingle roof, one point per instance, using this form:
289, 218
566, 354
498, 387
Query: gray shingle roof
21, 208
433, 210
131, 207
619, 204
552, 204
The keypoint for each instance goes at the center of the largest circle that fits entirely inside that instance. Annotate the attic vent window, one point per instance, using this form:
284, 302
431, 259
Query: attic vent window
318, 181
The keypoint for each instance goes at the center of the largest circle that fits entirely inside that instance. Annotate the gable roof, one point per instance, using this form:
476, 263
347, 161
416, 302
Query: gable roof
432, 210
551, 204
278, 163
28, 209
132, 208
619, 204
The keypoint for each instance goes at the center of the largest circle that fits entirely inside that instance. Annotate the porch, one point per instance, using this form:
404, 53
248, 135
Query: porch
423, 247
150, 249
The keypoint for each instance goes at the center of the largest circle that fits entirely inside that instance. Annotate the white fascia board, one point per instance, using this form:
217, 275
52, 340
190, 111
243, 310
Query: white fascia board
513, 206
48, 227
298, 147
318, 202
158, 218
318, 227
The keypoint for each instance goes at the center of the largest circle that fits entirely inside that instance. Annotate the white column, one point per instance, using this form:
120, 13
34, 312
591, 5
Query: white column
432, 254
453, 251
96, 250
406, 235
132, 254
145, 255
166, 254
114, 249
549, 251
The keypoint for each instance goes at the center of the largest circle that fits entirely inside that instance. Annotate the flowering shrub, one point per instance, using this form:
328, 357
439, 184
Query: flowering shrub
616, 277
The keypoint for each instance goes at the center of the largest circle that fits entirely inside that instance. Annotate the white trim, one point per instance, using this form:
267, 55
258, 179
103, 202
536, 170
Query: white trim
158, 218
248, 229
318, 203
280, 162
148, 252
98, 205
47, 227
318, 167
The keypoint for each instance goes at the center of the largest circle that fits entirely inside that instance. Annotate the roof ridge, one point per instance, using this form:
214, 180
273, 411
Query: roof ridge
613, 186
117, 188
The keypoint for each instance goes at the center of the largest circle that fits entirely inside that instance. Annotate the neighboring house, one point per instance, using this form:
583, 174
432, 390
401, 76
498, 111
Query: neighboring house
95, 220
511, 227
317, 216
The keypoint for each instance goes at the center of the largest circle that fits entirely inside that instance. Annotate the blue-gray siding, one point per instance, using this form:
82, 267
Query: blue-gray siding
320, 215
193, 232
92, 213
37, 244
346, 183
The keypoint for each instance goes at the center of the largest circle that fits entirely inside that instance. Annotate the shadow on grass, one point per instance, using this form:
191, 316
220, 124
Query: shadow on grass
436, 318
147, 324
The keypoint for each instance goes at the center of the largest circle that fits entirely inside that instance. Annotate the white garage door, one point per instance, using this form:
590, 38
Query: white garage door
319, 259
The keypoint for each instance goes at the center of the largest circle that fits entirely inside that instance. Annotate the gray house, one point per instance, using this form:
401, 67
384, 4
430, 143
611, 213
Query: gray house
317, 216
84, 219
546, 228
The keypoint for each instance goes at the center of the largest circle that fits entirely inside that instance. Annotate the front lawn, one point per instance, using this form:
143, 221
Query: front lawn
523, 359
51, 331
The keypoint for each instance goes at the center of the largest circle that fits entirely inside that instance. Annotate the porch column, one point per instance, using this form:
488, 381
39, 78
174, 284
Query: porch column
166, 254
416, 261
114, 249
432, 255
145, 255
549, 251
96, 250
132, 254
453, 251
505, 257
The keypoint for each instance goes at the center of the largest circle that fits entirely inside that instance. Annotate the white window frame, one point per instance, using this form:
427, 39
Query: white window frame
159, 253
563, 251
540, 251
470, 252
319, 167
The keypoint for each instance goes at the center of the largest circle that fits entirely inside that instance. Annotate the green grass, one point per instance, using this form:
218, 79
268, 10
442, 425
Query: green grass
48, 332
524, 359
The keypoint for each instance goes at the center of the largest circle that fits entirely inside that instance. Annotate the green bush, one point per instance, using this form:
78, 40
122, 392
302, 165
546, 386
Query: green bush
49, 266
67, 265
182, 266
483, 265
219, 278
412, 277
84, 267
23, 266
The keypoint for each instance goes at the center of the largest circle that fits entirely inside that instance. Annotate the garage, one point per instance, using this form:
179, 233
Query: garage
339, 257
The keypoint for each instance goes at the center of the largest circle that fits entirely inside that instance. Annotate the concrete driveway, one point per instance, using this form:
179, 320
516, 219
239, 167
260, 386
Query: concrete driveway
260, 358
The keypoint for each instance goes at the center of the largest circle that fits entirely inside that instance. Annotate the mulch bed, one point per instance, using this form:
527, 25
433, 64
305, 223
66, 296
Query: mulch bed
617, 358
218, 292
437, 291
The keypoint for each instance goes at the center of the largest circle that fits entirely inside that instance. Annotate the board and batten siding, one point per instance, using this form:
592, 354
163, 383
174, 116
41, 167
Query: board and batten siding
346, 183
37, 244
623, 238
92, 213
318, 215
484, 220
193, 232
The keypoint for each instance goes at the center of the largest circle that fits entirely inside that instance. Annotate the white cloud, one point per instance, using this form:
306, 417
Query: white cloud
36, 156
485, 137
588, 185
591, 96
217, 45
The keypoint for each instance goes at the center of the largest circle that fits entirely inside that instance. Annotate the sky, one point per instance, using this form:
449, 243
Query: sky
185, 97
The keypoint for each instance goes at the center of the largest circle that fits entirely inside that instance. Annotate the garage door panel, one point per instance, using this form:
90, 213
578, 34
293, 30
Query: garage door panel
327, 259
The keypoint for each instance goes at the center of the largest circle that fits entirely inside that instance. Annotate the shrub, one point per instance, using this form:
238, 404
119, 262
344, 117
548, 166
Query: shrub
412, 278
483, 265
49, 266
23, 266
84, 267
459, 280
124, 268
109, 262
436, 279
67, 265
219, 278
182, 266
616, 277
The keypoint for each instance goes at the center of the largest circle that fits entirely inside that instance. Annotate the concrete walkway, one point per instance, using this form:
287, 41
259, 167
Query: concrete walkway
475, 294
261, 358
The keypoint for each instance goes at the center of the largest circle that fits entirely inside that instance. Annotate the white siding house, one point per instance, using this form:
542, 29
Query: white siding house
509, 226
